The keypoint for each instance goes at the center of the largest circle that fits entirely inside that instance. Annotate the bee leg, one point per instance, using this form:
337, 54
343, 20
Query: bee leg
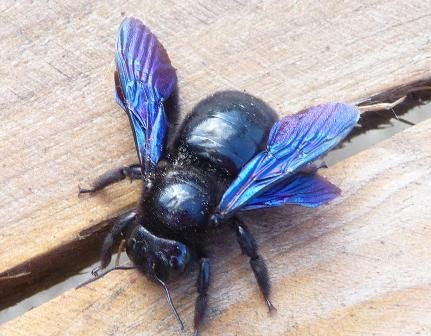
202, 299
117, 232
112, 176
249, 247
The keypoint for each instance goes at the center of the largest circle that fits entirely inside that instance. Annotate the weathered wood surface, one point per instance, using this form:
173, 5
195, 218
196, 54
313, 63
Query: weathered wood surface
359, 266
60, 125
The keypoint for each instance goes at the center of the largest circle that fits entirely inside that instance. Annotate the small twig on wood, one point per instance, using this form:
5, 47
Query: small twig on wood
389, 106
381, 106
120, 250
14, 276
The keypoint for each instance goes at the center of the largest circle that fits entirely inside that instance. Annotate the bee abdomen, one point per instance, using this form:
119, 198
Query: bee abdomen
227, 129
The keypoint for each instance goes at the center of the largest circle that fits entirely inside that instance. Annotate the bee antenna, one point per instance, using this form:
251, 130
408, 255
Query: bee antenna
97, 277
171, 303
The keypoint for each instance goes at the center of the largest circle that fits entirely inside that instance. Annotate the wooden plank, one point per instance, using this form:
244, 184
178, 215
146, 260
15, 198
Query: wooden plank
60, 125
359, 266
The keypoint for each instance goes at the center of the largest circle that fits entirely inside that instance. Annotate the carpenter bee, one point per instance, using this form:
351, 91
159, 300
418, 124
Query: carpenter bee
230, 155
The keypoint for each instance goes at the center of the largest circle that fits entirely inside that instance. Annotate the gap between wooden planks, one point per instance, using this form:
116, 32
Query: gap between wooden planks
358, 266
60, 125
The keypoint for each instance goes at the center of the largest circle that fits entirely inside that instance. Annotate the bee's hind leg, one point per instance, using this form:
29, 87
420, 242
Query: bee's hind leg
112, 176
249, 247
202, 285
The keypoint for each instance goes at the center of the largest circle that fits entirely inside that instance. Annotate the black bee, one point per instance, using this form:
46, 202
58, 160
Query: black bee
230, 155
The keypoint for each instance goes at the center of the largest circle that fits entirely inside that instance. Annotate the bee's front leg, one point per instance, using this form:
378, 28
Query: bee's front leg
112, 176
121, 225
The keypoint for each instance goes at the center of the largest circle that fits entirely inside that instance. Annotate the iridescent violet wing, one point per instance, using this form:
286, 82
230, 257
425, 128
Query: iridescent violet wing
144, 79
300, 189
294, 142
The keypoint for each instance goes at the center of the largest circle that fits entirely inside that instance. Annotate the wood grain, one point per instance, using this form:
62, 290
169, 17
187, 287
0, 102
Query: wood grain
60, 125
359, 266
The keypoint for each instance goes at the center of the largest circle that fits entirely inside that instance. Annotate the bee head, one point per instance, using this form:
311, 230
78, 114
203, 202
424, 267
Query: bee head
158, 258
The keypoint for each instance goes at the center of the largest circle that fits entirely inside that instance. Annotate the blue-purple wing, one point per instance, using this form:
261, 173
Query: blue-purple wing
144, 79
293, 143
300, 189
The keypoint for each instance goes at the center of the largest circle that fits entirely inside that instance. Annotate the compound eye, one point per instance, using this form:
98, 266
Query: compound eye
174, 262
180, 258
